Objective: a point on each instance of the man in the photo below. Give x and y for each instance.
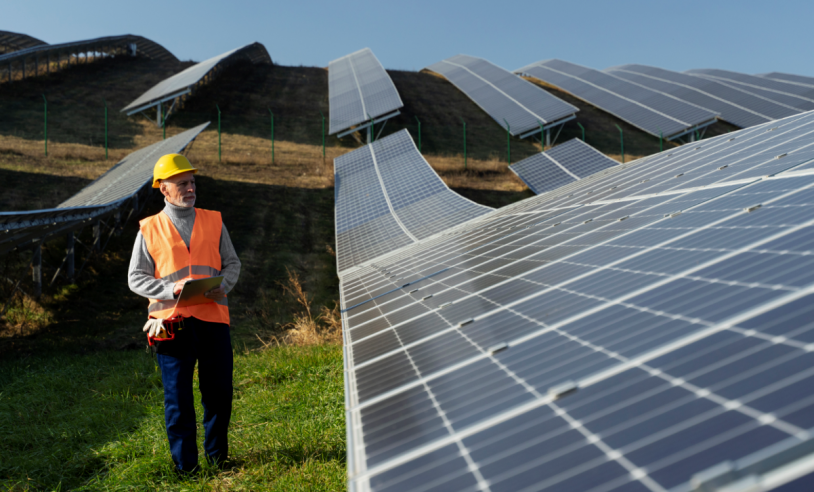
(179, 244)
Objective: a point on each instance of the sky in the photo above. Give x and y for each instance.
(746, 36)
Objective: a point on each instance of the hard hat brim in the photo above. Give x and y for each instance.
(157, 183)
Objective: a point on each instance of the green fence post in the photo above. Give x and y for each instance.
(45, 123)
(323, 136)
(272, 135)
(508, 142)
(218, 107)
(583, 130)
(419, 132)
(105, 129)
(622, 140)
(464, 122)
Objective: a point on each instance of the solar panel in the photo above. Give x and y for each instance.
(387, 197)
(184, 82)
(144, 47)
(650, 111)
(104, 194)
(735, 106)
(561, 165)
(504, 96)
(649, 328)
(788, 77)
(793, 95)
(13, 41)
(359, 90)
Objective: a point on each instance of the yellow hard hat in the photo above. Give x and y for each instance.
(169, 165)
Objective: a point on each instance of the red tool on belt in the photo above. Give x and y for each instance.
(162, 330)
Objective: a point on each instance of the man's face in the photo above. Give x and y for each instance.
(180, 189)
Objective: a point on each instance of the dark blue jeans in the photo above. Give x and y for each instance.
(210, 345)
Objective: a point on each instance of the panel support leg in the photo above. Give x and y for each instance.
(97, 236)
(36, 271)
(70, 259)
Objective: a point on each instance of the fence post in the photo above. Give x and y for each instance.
(323, 135)
(419, 133)
(464, 122)
(272, 135)
(508, 142)
(622, 141)
(583, 131)
(45, 123)
(105, 129)
(218, 131)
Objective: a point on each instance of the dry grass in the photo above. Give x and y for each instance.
(307, 329)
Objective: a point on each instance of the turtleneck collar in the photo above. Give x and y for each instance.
(174, 211)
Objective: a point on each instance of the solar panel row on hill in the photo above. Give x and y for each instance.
(508, 99)
(112, 44)
(653, 112)
(102, 196)
(735, 106)
(561, 165)
(387, 197)
(360, 91)
(787, 77)
(628, 331)
(185, 82)
(793, 95)
(13, 41)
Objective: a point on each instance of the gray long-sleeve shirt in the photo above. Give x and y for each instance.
(141, 275)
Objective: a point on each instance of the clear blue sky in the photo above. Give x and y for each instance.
(748, 36)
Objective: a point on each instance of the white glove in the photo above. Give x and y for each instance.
(153, 327)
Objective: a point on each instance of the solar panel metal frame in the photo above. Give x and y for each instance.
(515, 99)
(185, 82)
(369, 81)
(570, 158)
(738, 107)
(675, 127)
(104, 195)
(753, 180)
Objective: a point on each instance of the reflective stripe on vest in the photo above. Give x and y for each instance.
(174, 261)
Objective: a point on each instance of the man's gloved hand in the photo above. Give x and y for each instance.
(153, 327)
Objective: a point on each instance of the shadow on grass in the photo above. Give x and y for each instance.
(33, 191)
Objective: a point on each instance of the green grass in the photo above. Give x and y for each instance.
(95, 422)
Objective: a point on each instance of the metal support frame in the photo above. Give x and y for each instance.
(368, 123)
(691, 131)
(547, 126)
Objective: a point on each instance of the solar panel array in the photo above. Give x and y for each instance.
(359, 90)
(646, 329)
(103, 195)
(735, 106)
(13, 41)
(653, 112)
(502, 95)
(144, 47)
(185, 81)
(792, 95)
(561, 165)
(788, 77)
(387, 197)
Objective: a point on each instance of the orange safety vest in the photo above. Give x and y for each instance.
(173, 261)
